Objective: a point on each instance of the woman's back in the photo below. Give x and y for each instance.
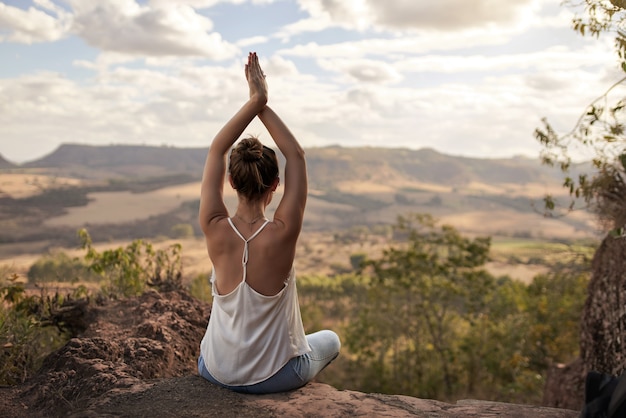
(270, 256)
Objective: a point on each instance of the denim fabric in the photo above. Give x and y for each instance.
(325, 346)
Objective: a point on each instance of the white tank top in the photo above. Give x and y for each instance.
(251, 336)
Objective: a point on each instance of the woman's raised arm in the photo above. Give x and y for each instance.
(212, 205)
(290, 210)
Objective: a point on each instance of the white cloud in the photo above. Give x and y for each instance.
(362, 70)
(255, 40)
(413, 16)
(558, 57)
(167, 29)
(447, 14)
(32, 25)
(406, 45)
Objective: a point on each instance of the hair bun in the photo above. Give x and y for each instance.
(251, 149)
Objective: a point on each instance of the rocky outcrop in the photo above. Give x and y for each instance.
(127, 342)
(138, 357)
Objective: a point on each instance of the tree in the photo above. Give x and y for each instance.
(422, 295)
(600, 130)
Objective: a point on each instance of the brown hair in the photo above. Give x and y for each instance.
(253, 167)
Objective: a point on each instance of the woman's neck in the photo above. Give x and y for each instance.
(250, 213)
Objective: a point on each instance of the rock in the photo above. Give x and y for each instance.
(127, 342)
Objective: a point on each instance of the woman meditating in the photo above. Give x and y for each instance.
(255, 341)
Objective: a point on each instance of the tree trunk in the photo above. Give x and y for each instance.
(603, 325)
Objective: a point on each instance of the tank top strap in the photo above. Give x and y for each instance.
(245, 255)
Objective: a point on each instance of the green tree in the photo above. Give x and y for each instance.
(421, 296)
(599, 132)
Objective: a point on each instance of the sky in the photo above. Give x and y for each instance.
(465, 77)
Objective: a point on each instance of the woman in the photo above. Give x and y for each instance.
(255, 341)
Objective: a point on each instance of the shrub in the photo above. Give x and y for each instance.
(182, 231)
(200, 288)
(126, 271)
(61, 268)
(29, 330)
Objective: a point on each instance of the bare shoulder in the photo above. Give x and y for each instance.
(286, 229)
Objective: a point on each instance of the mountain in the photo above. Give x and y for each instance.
(326, 165)
(122, 160)
(4, 164)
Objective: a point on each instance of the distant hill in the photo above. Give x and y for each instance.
(6, 164)
(326, 165)
(122, 160)
(424, 165)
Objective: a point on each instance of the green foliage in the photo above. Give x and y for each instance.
(357, 260)
(28, 330)
(599, 132)
(200, 288)
(554, 305)
(182, 231)
(126, 271)
(426, 320)
(32, 326)
(599, 17)
(420, 295)
(59, 267)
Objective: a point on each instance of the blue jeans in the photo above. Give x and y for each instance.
(297, 372)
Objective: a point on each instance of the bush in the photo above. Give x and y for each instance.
(182, 231)
(200, 288)
(59, 267)
(128, 271)
(28, 330)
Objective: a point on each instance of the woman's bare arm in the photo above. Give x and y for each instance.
(212, 205)
(290, 210)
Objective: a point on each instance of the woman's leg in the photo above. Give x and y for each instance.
(325, 346)
(202, 371)
(300, 370)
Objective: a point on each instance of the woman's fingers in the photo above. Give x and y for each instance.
(256, 65)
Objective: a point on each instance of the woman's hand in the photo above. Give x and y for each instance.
(256, 80)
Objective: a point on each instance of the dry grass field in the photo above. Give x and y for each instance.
(120, 207)
(20, 185)
(320, 252)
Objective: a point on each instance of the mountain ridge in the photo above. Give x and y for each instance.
(326, 165)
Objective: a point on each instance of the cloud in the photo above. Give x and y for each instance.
(33, 25)
(446, 14)
(406, 45)
(362, 70)
(160, 28)
(255, 40)
(411, 15)
(553, 58)
(165, 29)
